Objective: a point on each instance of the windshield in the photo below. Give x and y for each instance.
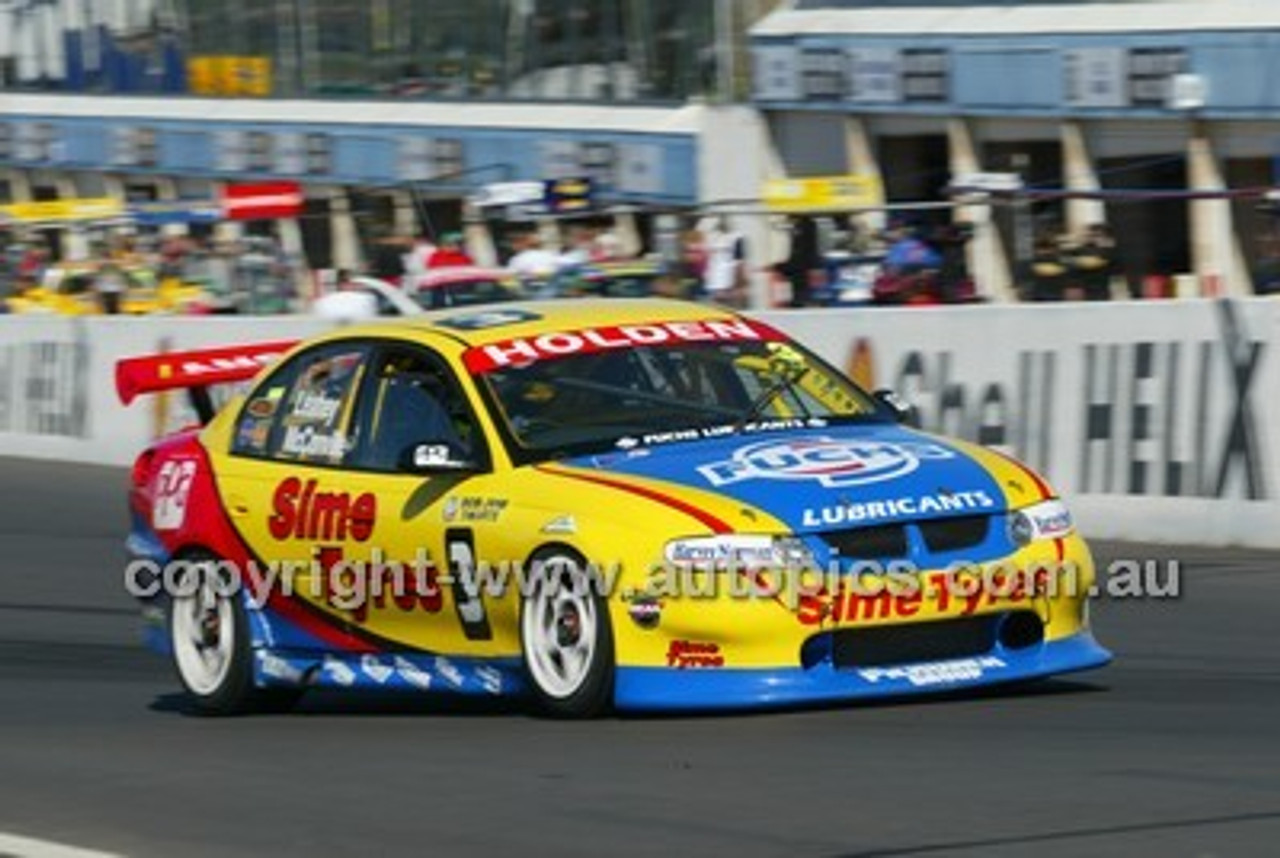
(610, 285)
(465, 293)
(614, 399)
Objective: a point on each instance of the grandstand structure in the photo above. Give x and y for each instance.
(1160, 118)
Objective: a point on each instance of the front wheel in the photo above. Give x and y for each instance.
(566, 638)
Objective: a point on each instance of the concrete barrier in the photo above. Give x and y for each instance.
(1159, 421)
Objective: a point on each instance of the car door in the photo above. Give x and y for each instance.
(283, 483)
(437, 512)
(321, 484)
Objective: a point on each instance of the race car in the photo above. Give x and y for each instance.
(632, 503)
(640, 278)
(462, 286)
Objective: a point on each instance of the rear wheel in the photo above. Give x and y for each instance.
(212, 647)
(566, 638)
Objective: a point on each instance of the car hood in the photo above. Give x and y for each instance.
(823, 477)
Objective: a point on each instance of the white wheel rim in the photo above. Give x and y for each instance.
(203, 632)
(559, 629)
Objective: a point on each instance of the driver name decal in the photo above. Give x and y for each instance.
(525, 350)
(831, 462)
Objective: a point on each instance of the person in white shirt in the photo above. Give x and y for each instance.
(725, 279)
(533, 261)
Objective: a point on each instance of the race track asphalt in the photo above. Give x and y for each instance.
(1174, 750)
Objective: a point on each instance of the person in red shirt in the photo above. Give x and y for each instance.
(450, 253)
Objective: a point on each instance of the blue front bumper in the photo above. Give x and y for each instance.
(658, 689)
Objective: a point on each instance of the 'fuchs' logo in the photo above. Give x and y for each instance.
(833, 463)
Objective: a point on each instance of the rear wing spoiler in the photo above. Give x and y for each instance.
(194, 371)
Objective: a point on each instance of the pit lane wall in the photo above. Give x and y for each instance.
(1159, 421)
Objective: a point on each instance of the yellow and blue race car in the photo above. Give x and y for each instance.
(645, 504)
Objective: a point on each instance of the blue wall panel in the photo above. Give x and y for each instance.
(991, 76)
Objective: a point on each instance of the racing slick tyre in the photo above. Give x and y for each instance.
(566, 638)
(212, 647)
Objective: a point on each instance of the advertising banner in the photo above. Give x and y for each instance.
(57, 211)
(230, 76)
(1158, 421)
(265, 201)
(823, 193)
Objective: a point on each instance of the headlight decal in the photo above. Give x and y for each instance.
(1047, 520)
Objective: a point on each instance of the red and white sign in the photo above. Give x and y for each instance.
(266, 201)
(525, 350)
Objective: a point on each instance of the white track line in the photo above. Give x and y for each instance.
(13, 846)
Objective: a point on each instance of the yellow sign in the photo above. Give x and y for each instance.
(87, 208)
(229, 75)
(823, 193)
(202, 78)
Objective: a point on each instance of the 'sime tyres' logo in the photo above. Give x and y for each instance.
(833, 463)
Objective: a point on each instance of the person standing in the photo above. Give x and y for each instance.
(803, 264)
(725, 279)
(450, 253)
(532, 261)
(1093, 263)
(110, 284)
(1047, 271)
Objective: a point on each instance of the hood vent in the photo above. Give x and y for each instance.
(954, 534)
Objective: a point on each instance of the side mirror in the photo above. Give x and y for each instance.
(436, 457)
(894, 404)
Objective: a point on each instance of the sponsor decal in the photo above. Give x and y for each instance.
(278, 668)
(902, 595)
(488, 319)
(645, 612)
(374, 669)
(564, 524)
(1051, 525)
(525, 350)
(253, 435)
(263, 407)
(171, 490)
(736, 550)
(412, 674)
(450, 509)
(196, 368)
(902, 507)
(934, 672)
(685, 655)
(167, 371)
(449, 671)
(835, 463)
(310, 442)
(474, 509)
(300, 511)
(338, 671)
(698, 433)
(490, 679)
(316, 406)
